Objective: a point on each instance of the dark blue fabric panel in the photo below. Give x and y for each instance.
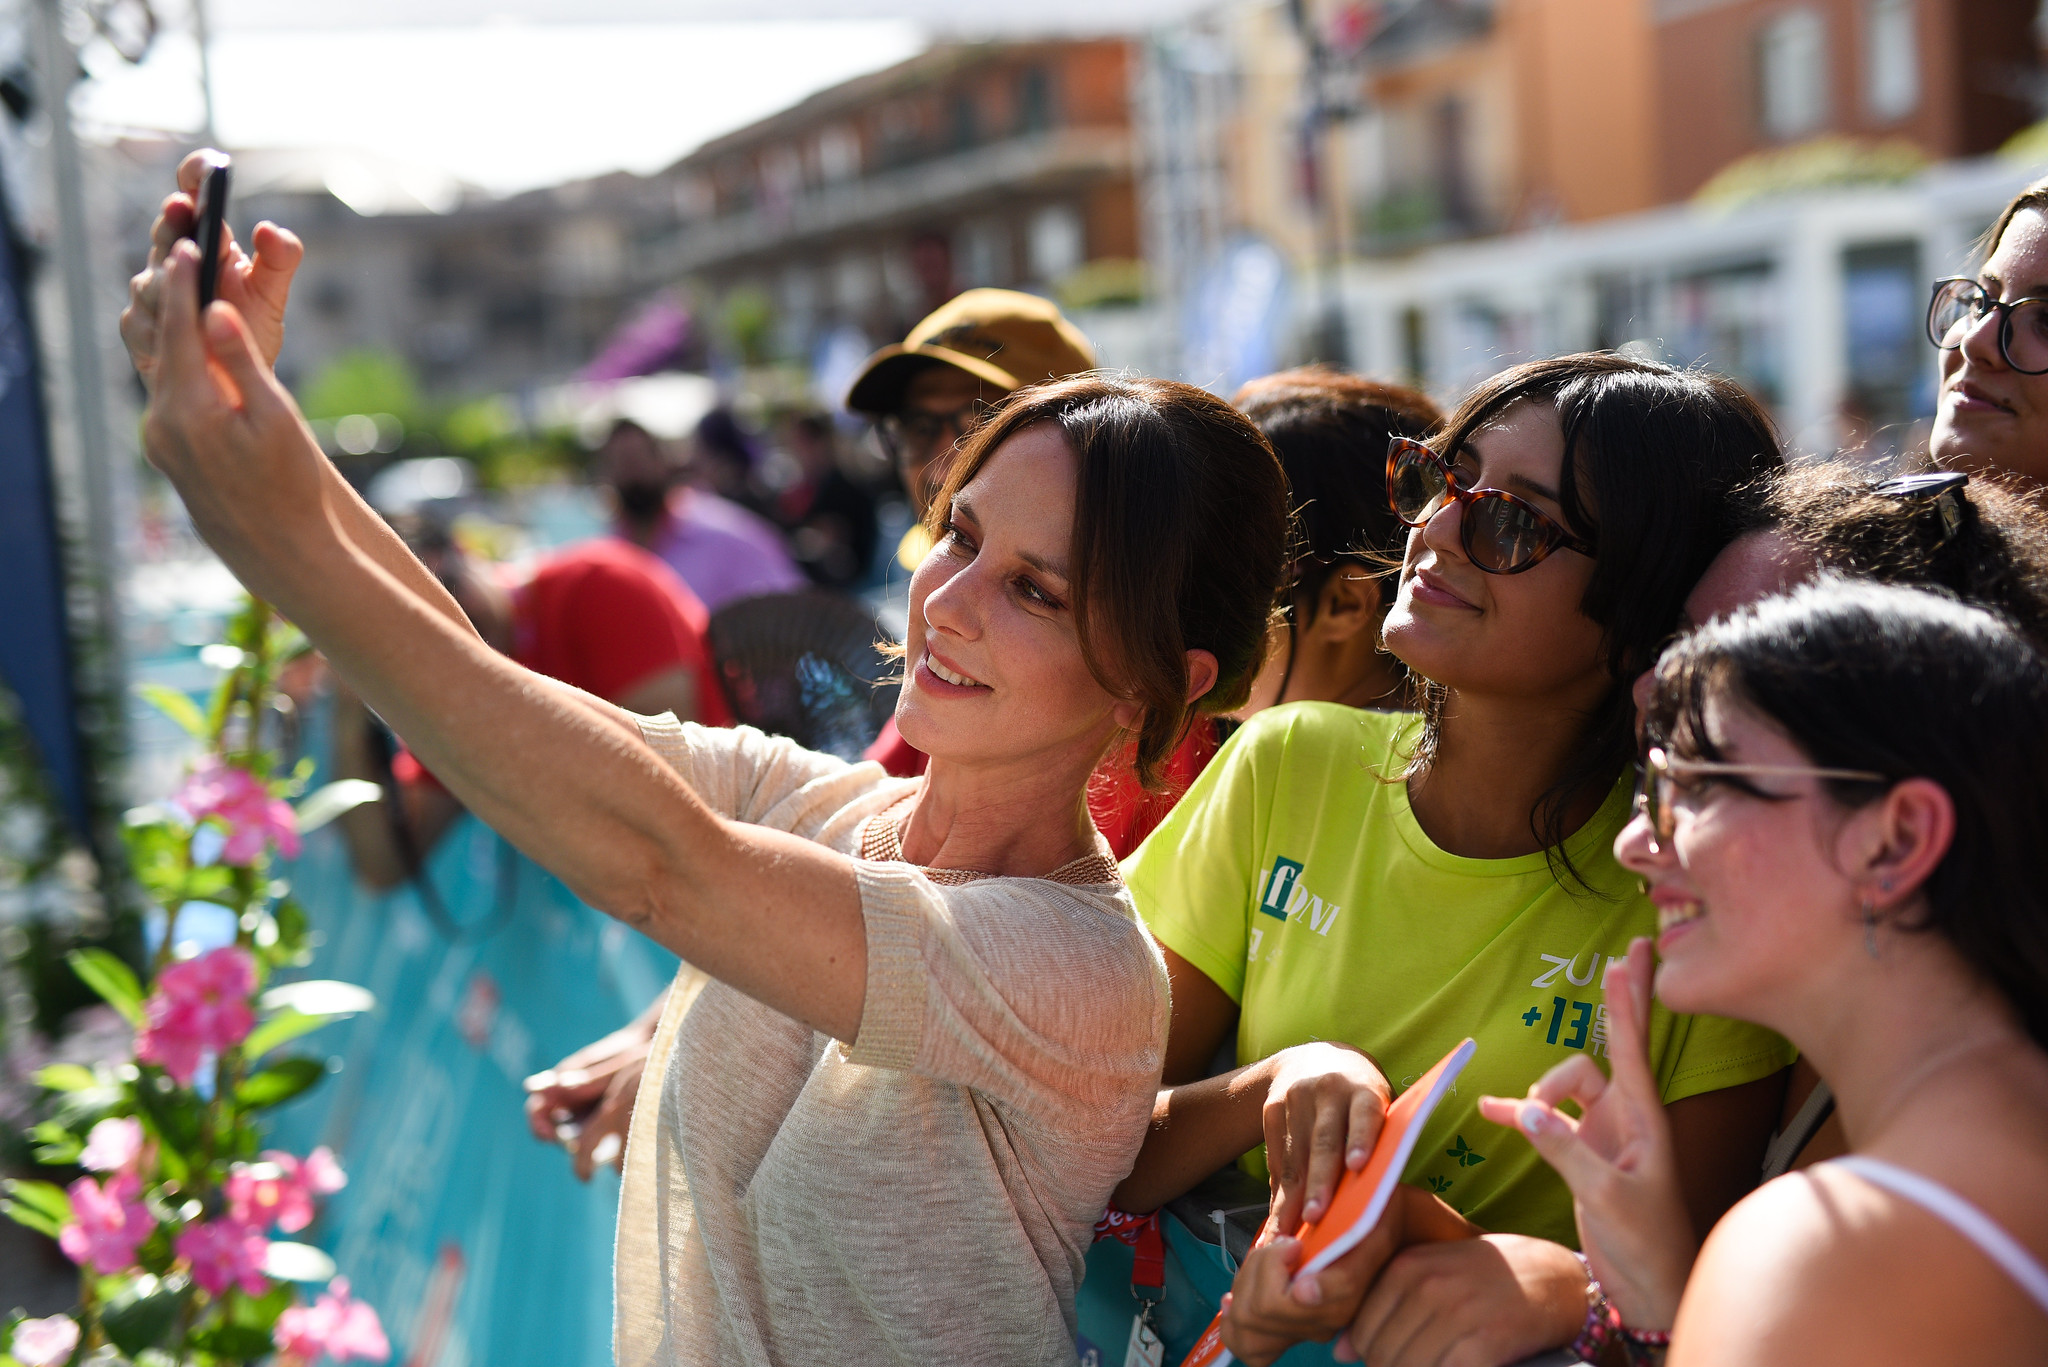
(35, 651)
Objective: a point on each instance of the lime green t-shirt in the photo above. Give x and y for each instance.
(1296, 877)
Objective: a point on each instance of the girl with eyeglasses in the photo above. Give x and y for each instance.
(1841, 824)
(1346, 894)
(1992, 411)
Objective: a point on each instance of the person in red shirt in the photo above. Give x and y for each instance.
(602, 615)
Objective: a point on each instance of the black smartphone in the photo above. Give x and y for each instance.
(209, 225)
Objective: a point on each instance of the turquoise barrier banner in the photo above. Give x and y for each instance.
(474, 1241)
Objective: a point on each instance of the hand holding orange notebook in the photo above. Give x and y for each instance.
(1362, 1196)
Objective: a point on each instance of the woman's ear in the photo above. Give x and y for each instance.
(1347, 605)
(1903, 841)
(1129, 714)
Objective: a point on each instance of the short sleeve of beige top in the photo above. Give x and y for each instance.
(925, 1194)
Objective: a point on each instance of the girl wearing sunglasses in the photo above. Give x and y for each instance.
(1827, 862)
(1345, 894)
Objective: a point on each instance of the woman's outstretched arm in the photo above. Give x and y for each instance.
(555, 771)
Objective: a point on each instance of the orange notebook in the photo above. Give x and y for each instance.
(1362, 1196)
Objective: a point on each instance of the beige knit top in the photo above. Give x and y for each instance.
(922, 1195)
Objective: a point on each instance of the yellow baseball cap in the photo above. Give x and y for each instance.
(1003, 337)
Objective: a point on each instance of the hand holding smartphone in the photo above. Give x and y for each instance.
(209, 228)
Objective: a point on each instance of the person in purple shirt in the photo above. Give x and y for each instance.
(718, 548)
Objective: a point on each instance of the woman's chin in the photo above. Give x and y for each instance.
(1688, 987)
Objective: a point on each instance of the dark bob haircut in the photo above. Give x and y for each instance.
(1180, 538)
(1330, 431)
(1906, 683)
(1652, 458)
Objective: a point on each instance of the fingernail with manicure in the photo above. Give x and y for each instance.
(1533, 1119)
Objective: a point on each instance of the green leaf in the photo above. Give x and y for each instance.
(234, 1342)
(280, 1082)
(292, 927)
(207, 884)
(289, 1262)
(177, 706)
(174, 1114)
(342, 795)
(284, 1026)
(260, 1312)
(112, 979)
(142, 1314)
(42, 1206)
(66, 1077)
(55, 1144)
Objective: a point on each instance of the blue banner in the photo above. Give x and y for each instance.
(473, 1240)
(35, 648)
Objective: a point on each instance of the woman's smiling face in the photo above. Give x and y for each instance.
(1988, 415)
(994, 666)
(1500, 634)
(1750, 899)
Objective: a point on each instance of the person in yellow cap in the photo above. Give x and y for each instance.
(930, 390)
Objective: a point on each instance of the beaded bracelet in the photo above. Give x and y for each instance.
(1644, 1347)
(1603, 1321)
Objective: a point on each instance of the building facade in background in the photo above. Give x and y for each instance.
(869, 204)
(1426, 189)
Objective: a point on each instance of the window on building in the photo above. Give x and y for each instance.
(838, 154)
(966, 121)
(1034, 100)
(1792, 74)
(981, 254)
(1891, 59)
(1058, 242)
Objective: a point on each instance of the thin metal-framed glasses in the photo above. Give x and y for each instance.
(1501, 534)
(1959, 304)
(1658, 783)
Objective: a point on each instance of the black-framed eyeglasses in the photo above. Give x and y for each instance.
(915, 434)
(1959, 304)
(1501, 534)
(1658, 785)
(1943, 487)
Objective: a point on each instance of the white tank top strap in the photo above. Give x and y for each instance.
(1973, 1224)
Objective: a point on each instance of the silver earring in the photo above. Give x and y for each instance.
(1870, 928)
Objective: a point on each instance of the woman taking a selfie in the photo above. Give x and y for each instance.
(1841, 823)
(884, 1131)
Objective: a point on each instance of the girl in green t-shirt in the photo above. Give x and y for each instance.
(1557, 524)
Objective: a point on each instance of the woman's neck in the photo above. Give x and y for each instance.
(1890, 1033)
(1020, 820)
(1354, 672)
(1495, 759)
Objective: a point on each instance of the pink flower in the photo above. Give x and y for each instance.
(45, 1343)
(199, 1006)
(281, 1189)
(253, 817)
(334, 1324)
(224, 1253)
(107, 1223)
(322, 1173)
(112, 1145)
